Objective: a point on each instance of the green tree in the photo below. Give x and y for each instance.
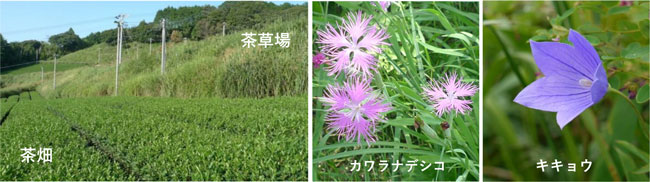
(67, 41)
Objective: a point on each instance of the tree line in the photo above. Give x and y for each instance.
(193, 23)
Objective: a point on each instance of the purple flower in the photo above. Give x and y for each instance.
(350, 46)
(574, 78)
(318, 59)
(354, 110)
(384, 4)
(448, 94)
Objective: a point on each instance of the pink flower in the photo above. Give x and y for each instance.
(447, 94)
(354, 110)
(626, 3)
(384, 4)
(318, 59)
(350, 46)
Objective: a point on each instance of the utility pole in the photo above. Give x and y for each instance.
(118, 46)
(54, 85)
(117, 57)
(150, 46)
(118, 60)
(121, 40)
(223, 30)
(163, 55)
(39, 52)
(99, 55)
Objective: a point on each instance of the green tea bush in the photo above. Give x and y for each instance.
(139, 138)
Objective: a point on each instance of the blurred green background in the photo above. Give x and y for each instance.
(609, 133)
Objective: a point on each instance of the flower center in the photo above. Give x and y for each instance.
(354, 47)
(585, 83)
(355, 111)
(451, 95)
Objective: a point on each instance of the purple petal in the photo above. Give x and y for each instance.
(339, 122)
(373, 109)
(560, 59)
(357, 89)
(335, 98)
(554, 94)
(599, 87)
(364, 129)
(575, 78)
(590, 58)
(565, 116)
(384, 5)
(373, 39)
(356, 25)
(363, 63)
(332, 39)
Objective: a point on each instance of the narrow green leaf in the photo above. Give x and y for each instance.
(349, 4)
(628, 167)
(642, 94)
(633, 150)
(401, 121)
(466, 37)
(452, 52)
(443, 20)
(642, 170)
(618, 10)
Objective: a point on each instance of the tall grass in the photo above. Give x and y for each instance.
(215, 67)
(272, 71)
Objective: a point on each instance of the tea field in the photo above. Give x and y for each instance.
(145, 138)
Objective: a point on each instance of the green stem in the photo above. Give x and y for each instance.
(592, 126)
(415, 39)
(428, 130)
(641, 121)
(513, 65)
(450, 120)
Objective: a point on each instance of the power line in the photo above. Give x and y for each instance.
(83, 22)
(98, 20)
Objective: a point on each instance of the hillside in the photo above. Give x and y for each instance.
(214, 67)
